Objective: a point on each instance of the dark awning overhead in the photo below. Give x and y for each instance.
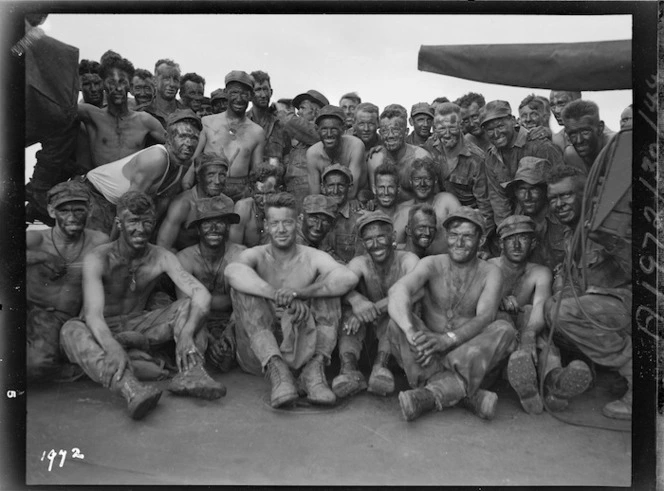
(602, 65)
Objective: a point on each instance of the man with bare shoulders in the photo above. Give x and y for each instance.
(366, 306)
(365, 126)
(386, 189)
(117, 281)
(207, 261)
(54, 258)
(423, 182)
(335, 148)
(393, 130)
(420, 230)
(174, 232)
(286, 305)
(526, 287)
(448, 352)
(315, 222)
(156, 170)
(250, 231)
(233, 134)
(117, 131)
(167, 85)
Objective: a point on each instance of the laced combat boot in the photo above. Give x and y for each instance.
(284, 390)
(381, 380)
(350, 380)
(414, 403)
(312, 380)
(483, 403)
(562, 384)
(141, 398)
(622, 408)
(197, 383)
(522, 376)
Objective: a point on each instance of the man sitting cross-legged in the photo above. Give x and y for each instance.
(117, 280)
(378, 270)
(286, 305)
(526, 287)
(207, 261)
(448, 352)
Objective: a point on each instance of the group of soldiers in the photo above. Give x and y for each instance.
(184, 235)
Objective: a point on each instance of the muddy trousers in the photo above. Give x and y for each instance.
(609, 343)
(352, 343)
(257, 328)
(158, 326)
(44, 358)
(464, 366)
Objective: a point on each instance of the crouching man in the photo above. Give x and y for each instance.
(117, 280)
(448, 352)
(378, 270)
(526, 287)
(286, 305)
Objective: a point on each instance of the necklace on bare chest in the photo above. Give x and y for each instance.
(211, 269)
(132, 272)
(68, 262)
(463, 288)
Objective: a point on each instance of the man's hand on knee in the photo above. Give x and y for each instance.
(352, 325)
(115, 363)
(299, 310)
(429, 343)
(283, 297)
(187, 355)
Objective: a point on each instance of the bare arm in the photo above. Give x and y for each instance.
(401, 294)
(259, 151)
(313, 172)
(33, 239)
(155, 129)
(189, 178)
(542, 293)
(148, 167)
(242, 276)
(236, 232)
(83, 111)
(333, 279)
(170, 227)
(444, 204)
(357, 166)
(372, 164)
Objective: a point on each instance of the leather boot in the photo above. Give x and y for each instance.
(381, 381)
(312, 380)
(562, 384)
(141, 398)
(522, 376)
(197, 383)
(350, 380)
(284, 390)
(622, 408)
(414, 403)
(483, 403)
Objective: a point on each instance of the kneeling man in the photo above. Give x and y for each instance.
(448, 352)
(117, 280)
(286, 305)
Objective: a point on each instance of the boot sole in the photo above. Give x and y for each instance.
(203, 392)
(381, 387)
(283, 400)
(406, 407)
(621, 416)
(574, 381)
(522, 376)
(347, 388)
(487, 407)
(146, 406)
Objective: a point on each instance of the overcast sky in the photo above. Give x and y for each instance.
(374, 55)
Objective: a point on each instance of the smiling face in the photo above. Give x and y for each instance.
(192, 95)
(212, 179)
(585, 135)
(500, 131)
(531, 198)
(135, 230)
(393, 131)
(116, 86)
(386, 190)
(336, 187)
(330, 131)
(239, 96)
(281, 226)
(378, 238)
(422, 229)
(183, 140)
(448, 130)
(565, 201)
(365, 126)
(213, 232)
(70, 217)
(530, 118)
(463, 241)
(422, 125)
(423, 184)
(167, 81)
(315, 226)
(142, 89)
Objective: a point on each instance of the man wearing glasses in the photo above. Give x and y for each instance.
(286, 303)
(233, 134)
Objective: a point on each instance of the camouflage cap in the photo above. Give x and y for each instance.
(218, 94)
(515, 224)
(310, 95)
(207, 159)
(330, 111)
(467, 213)
(421, 108)
(371, 217)
(531, 170)
(184, 115)
(218, 207)
(495, 110)
(337, 168)
(64, 192)
(318, 203)
(240, 77)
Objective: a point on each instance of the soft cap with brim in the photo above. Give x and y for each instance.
(337, 168)
(64, 192)
(313, 96)
(184, 115)
(318, 203)
(467, 213)
(421, 108)
(370, 217)
(330, 111)
(495, 110)
(531, 170)
(515, 224)
(218, 207)
(218, 94)
(240, 77)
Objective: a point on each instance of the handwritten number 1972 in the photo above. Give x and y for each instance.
(52, 455)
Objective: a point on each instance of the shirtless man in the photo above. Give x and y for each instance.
(286, 304)
(421, 119)
(526, 287)
(174, 233)
(448, 352)
(586, 132)
(117, 281)
(386, 189)
(156, 170)
(318, 214)
(395, 150)
(90, 83)
(54, 258)
(366, 306)
(167, 84)
(534, 115)
(335, 148)
(207, 261)
(423, 182)
(232, 134)
(116, 131)
(420, 230)
(250, 231)
(365, 126)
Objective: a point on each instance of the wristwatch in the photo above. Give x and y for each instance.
(452, 336)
